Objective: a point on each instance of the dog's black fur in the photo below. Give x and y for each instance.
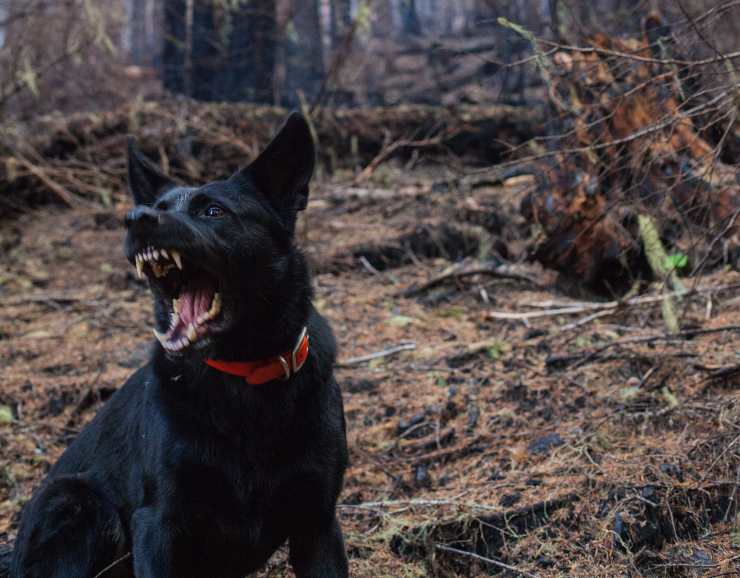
(195, 472)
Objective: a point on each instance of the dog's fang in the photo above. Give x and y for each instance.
(178, 259)
(139, 267)
(175, 305)
(164, 253)
(155, 255)
(160, 336)
(215, 306)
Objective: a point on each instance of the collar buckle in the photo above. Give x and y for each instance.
(296, 364)
(286, 368)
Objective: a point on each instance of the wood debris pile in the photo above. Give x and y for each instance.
(80, 159)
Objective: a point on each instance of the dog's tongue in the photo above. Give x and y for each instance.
(195, 300)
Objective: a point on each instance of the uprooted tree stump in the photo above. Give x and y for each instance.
(628, 144)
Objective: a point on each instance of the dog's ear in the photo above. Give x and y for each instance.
(283, 170)
(145, 181)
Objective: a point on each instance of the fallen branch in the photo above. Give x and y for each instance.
(418, 503)
(580, 359)
(386, 153)
(59, 298)
(466, 270)
(487, 560)
(406, 346)
(585, 320)
(584, 306)
(64, 195)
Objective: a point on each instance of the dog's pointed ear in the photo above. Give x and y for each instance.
(283, 170)
(145, 181)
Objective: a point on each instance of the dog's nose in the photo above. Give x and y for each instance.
(141, 214)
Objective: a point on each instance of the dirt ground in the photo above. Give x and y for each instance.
(585, 443)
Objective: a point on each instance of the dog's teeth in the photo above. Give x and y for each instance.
(139, 267)
(155, 255)
(215, 306)
(161, 337)
(191, 333)
(164, 253)
(178, 259)
(176, 305)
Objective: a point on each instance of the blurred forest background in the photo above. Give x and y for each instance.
(524, 229)
(73, 55)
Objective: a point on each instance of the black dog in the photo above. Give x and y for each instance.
(231, 440)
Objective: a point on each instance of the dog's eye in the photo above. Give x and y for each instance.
(213, 211)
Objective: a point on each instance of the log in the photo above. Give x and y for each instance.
(201, 141)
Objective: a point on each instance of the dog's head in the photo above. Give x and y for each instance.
(213, 253)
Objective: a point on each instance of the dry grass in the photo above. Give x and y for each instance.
(449, 444)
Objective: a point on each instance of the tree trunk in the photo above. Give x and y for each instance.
(173, 50)
(410, 23)
(382, 22)
(205, 52)
(137, 32)
(304, 52)
(263, 34)
(341, 20)
(250, 66)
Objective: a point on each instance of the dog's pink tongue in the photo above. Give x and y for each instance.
(195, 300)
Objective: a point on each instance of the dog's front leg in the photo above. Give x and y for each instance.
(151, 545)
(160, 549)
(319, 553)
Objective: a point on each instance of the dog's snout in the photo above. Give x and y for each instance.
(142, 214)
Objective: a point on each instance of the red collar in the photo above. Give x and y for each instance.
(258, 372)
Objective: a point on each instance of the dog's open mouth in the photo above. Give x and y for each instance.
(193, 293)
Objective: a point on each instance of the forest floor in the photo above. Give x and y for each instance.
(566, 444)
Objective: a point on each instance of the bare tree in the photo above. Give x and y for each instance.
(304, 51)
(173, 51)
(411, 25)
(341, 20)
(382, 23)
(205, 55)
(251, 51)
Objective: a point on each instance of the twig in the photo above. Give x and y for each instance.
(420, 503)
(67, 197)
(114, 563)
(638, 58)
(406, 346)
(369, 266)
(60, 298)
(488, 560)
(388, 150)
(720, 236)
(584, 306)
(586, 320)
(466, 270)
(586, 357)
